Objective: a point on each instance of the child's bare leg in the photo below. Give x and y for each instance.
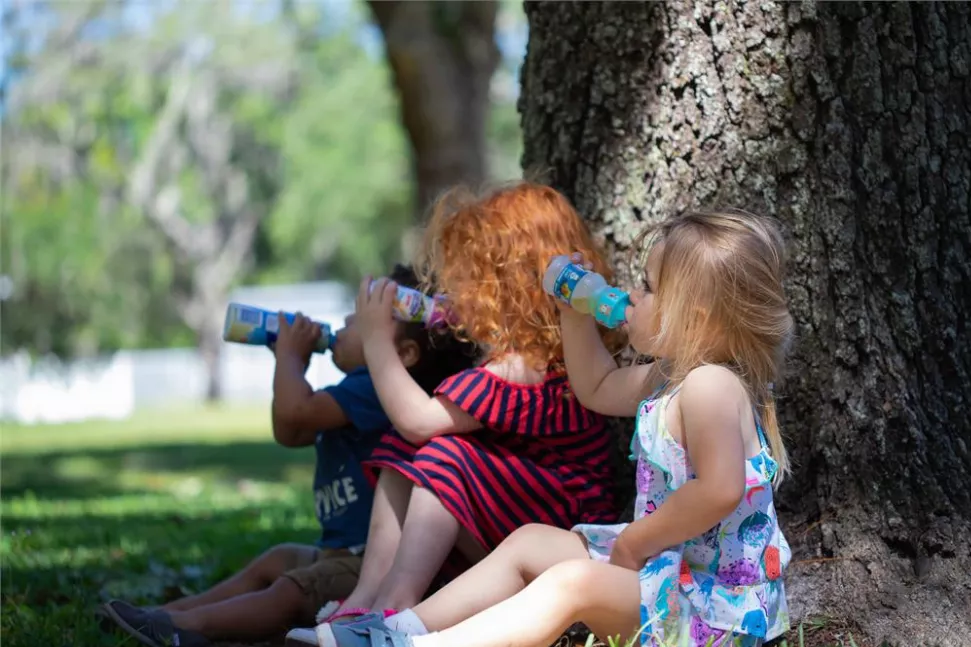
(257, 575)
(250, 615)
(606, 598)
(429, 534)
(519, 560)
(391, 497)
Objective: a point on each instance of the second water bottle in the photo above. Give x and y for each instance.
(586, 291)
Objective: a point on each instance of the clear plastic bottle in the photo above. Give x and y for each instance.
(249, 325)
(414, 306)
(586, 292)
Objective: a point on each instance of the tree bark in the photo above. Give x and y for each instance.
(849, 123)
(210, 349)
(442, 57)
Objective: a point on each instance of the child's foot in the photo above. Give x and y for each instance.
(153, 628)
(105, 622)
(342, 634)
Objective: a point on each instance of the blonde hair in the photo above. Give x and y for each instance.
(719, 300)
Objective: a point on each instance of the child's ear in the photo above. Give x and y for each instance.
(409, 352)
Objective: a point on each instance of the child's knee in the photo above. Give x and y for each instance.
(572, 577)
(281, 558)
(531, 534)
(574, 574)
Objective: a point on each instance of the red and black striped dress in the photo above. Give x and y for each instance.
(541, 457)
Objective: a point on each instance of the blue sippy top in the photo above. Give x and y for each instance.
(610, 306)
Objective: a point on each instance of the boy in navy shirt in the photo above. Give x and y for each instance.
(287, 584)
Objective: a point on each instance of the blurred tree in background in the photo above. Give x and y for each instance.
(442, 55)
(156, 155)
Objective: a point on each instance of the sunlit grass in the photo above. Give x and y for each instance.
(146, 428)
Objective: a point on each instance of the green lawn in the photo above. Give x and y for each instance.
(145, 510)
(150, 509)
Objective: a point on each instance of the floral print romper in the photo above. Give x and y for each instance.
(722, 588)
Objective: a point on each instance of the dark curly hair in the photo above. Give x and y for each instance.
(441, 353)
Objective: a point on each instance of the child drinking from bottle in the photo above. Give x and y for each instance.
(496, 447)
(289, 582)
(702, 562)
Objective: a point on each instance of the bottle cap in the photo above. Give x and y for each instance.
(611, 308)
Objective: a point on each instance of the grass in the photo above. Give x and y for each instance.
(156, 507)
(147, 510)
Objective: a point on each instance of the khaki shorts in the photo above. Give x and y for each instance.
(329, 574)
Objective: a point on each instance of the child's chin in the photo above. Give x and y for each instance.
(346, 366)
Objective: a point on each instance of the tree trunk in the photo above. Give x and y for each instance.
(210, 349)
(442, 56)
(849, 123)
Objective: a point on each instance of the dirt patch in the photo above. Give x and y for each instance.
(824, 632)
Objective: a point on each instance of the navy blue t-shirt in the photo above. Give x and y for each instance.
(342, 494)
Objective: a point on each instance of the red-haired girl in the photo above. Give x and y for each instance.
(499, 446)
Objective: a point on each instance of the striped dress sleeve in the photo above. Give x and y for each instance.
(545, 409)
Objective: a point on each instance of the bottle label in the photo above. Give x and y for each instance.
(243, 325)
(413, 306)
(566, 282)
(409, 305)
(246, 325)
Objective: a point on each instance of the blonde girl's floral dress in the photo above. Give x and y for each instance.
(722, 588)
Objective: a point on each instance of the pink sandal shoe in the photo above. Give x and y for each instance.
(351, 615)
(346, 613)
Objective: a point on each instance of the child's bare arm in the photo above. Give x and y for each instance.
(595, 378)
(710, 403)
(298, 412)
(417, 416)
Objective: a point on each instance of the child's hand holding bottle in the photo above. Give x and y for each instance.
(375, 310)
(298, 339)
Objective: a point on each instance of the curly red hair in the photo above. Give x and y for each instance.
(487, 254)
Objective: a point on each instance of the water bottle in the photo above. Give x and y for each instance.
(249, 325)
(586, 292)
(414, 306)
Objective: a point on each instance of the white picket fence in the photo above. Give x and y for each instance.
(113, 387)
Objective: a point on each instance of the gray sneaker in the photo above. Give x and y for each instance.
(152, 627)
(355, 633)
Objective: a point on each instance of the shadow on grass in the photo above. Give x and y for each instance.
(94, 473)
(146, 524)
(64, 560)
(61, 568)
